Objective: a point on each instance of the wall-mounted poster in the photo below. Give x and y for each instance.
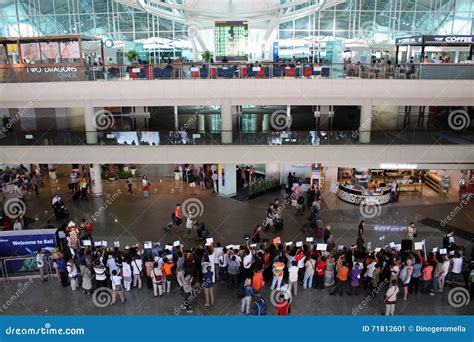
(30, 52)
(49, 50)
(70, 50)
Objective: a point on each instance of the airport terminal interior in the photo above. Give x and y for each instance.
(236, 157)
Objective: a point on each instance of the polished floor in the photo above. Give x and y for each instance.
(133, 219)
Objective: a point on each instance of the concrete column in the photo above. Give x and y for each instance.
(90, 124)
(365, 125)
(176, 120)
(288, 118)
(201, 123)
(226, 121)
(227, 180)
(96, 180)
(266, 123)
(385, 117)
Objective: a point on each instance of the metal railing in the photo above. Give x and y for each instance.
(268, 138)
(239, 70)
(28, 273)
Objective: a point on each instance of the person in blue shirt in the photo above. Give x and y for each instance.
(62, 270)
(208, 286)
(247, 299)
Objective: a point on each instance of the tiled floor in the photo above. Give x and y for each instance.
(134, 219)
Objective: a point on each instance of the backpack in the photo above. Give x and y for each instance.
(241, 292)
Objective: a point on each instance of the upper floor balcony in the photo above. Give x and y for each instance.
(238, 70)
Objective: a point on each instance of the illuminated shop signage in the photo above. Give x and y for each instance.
(398, 166)
(409, 41)
(448, 40)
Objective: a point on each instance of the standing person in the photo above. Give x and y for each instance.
(293, 278)
(223, 263)
(320, 273)
(157, 280)
(329, 273)
(188, 289)
(202, 179)
(208, 285)
(355, 280)
(73, 182)
(189, 226)
(391, 298)
(178, 216)
(86, 274)
(410, 231)
(72, 273)
(278, 271)
(40, 263)
(167, 274)
(192, 182)
(437, 273)
(442, 278)
(129, 185)
(146, 188)
(310, 266)
(83, 185)
(117, 288)
(149, 264)
(327, 233)
(232, 272)
(416, 275)
(361, 228)
(247, 299)
(127, 275)
(427, 278)
(137, 267)
(100, 275)
(341, 279)
(405, 276)
(214, 182)
(180, 268)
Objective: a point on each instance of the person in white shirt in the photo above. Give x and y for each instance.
(127, 275)
(442, 277)
(72, 273)
(369, 274)
(391, 298)
(223, 262)
(40, 264)
(157, 280)
(100, 276)
(218, 251)
(310, 266)
(17, 225)
(117, 288)
(137, 266)
(214, 181)
(247, 264)
(293, 278)
(189, 225)
(111, 265)
(457, 264)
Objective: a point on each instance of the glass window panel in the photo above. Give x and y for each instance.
(302, 24)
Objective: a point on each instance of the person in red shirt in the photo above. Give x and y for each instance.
(283, 307)
(178, 215)
(320, 269)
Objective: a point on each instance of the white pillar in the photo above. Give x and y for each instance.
(201, 123)
(226, 122)
(288, 118)
(176, 120)
(89, 123)
(365, 125)
(96, 179)
(266, 122)
(227, 180)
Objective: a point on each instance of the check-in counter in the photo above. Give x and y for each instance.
(351, 195)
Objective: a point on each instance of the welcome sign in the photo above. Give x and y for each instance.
(26, 242)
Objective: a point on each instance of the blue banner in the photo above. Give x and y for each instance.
(237, 328)
(275, 51)
(26, 242)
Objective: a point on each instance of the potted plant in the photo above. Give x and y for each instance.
(207, 56)
(131, 56)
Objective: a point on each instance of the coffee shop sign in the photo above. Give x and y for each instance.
(38, 70)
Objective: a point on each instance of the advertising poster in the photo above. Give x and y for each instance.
(70, 50)
(30, 51)
(49, 51)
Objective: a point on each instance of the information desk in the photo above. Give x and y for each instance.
(350, 195)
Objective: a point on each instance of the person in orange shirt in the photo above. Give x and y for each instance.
(257, 281)
(167, 270)
(341, 279)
